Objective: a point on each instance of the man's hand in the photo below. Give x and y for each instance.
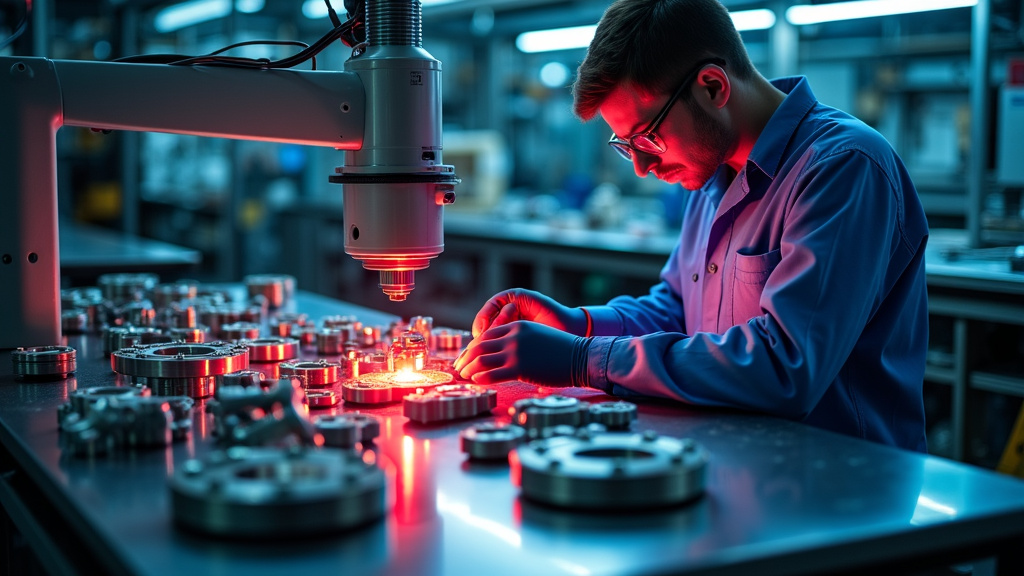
(518, 350)
(528, 305)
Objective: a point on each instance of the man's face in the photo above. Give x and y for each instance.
(696, 144)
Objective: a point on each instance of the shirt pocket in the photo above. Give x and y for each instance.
(751, 272)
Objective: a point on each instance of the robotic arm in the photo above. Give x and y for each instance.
(383, 111)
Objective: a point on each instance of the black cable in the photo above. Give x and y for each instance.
(22, 26)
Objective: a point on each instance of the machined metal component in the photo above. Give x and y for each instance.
(375, 362)
(74, 321)
(611, 471)
(329, 341)
(312, 374)
(117, 421)
(136, 313)
(121, 288)
(255, 416)
(278, 289)
(176, 315)
(175, 293)
(266, 492)
(117, 337)
(193, 335)
(237, 331)
(273, 349)
(386, 387)
(180, 369)
(321, 398)
(243, 378)
(614, 415)
(448, 341)
(338, 432)
(490, 441)
(408, 352)
(81, 401)
(44, 362)
(554, 410)
(445, 403)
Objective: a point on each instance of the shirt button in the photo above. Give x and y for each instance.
(695, 276)
(712, 268)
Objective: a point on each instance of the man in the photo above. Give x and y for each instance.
(797, 287)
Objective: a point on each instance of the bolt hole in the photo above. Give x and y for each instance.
(33, 257)
(20, 66)
(355, 233)
(7, 259)
(345, 107)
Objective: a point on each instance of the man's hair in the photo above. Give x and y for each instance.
(650, 44)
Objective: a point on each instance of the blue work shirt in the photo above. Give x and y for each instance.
(797, 287)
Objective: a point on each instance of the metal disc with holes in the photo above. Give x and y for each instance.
(554, 410)
(611, 471)
(445, 403)
(266, 492)
(44, 362)
(180, 360)
(614, 415)
(490, 441)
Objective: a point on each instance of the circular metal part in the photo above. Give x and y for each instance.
(176, 315)
(614, 415)
(445, 403)
(44, 362)
(409, 352)
(611, 471)
(375, 362)
(312, 374)
(138, 313)
(166, 294)
(180, 360)
(385, 387)
(240, 331)
(74, 321)
(274, 349)
(338, 432)
(554, 410)
(446, 340)
(490, 441)
(338, 321)
(193, 335)
(321, 398)
(369, 426)
(198, 387)
(329, 341)
(82, 400)
(278, 289)
(121, 288)
(265, 492)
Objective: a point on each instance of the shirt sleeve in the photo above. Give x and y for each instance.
(660, 310)
(841, 227)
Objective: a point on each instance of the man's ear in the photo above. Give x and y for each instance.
(713, 87)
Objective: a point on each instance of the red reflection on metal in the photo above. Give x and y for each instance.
(515, 468)
(416, 490)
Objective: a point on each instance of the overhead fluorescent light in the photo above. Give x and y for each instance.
(190, 13)
(818, 13)
(580, 36)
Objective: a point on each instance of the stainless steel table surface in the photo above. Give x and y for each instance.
(781, 498)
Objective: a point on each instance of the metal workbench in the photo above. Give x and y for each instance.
(781, 498)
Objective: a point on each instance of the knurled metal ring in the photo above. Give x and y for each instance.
(247, 492)
(44, 362)
(273, 349)
(611, 471)
(491, 441)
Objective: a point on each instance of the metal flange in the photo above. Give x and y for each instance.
(44, 362)
(453, 402)
(554, 410)
(272, 349)
(266, 492)
(385, 387)
(611, 471)
(179, 368)
(490, 441)
(614, 415)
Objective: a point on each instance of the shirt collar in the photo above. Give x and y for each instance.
(766, 154)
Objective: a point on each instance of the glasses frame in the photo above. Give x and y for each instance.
(650, 142)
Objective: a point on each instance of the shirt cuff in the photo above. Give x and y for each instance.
(607, 321)
(597, 361)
